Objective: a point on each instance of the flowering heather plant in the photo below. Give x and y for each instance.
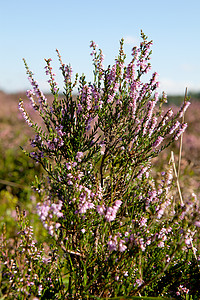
(28, 269)
(115, 229)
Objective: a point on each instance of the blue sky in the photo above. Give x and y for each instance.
(34, 29)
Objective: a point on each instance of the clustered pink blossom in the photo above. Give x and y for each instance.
(25, 114)
(182, 290)
(97, 59)
(174, 127)
(60, 132)
(183, 108)
(152, 126)
(66, 70)
(142, 61)
(85, 201)
(180, 131)
(47, 212)
(79, 155)
(143, 222)
(138, 282)
(166, 117)
(51, 81)
(142, 171)
(115, 243)
(41, 98)
(110, 213)
(30, 94)
(158, 141)
(150, 108)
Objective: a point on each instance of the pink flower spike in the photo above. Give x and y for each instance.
(100, 209)
(122, 247)
(79, 155)
(197, 223)
(118, 203)
(158, 141)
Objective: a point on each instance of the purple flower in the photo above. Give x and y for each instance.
(188, 241)
(139, 282)
(174, 127)
(118, 203)
(51, 145)
(112, 246)
(142, 171)
(68, 166)
(122, 247)
(112, 243)
(43, 210)
(56, 208)
(158, 141)
(59, 131)
(180, 131)
(197, 223)
(152, 125)
(79, 155)
(111, 212)
(25, 114)
(100, 209)
(183, 109)
(126, 273)
(143, 222)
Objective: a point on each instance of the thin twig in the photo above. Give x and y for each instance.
(181, 140)
(176, 175)
(10, 183)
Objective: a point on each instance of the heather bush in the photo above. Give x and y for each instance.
(115, 230)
